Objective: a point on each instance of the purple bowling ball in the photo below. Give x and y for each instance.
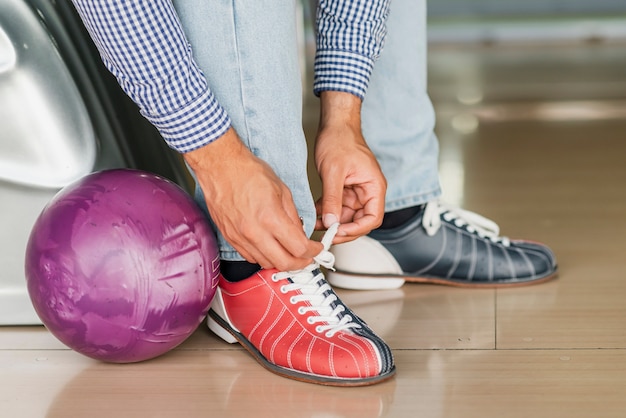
(122, 265)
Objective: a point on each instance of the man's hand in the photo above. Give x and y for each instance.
(250, 205)
(353, 186)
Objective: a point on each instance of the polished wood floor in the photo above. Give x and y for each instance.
(533, 137)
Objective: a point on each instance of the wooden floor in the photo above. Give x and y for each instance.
(533, 137)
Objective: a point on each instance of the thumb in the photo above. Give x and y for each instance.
(328, 219)
(332, 193)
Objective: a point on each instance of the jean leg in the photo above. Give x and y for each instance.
(248, 51)
(398, 116)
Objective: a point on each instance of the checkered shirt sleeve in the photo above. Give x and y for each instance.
(350, 37)
(143, 45)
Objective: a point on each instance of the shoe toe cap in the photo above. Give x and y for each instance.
(541, 259)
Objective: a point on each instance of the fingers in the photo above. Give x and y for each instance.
(332, 199)
(251, 206)
(266, 230)
(361, 212)
(285, 248)
(353, 196)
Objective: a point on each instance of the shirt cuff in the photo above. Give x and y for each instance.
(342, 71)
(193, 126)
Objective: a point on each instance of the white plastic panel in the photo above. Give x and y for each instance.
(46, 137)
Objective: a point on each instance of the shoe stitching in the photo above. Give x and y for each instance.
(358, 346)
(382, 351)
(472, 269)
(280, 337)
(546, 256)
(533, 272)
(354, 343)
(457, 255)
(268, 330)
(510, 263)
(309, 365)
(441, 252)
(262, 319)
(331, 363)
(293, 345)
(246, 290)
(490, 262)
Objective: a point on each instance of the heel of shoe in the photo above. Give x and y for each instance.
(220, 331)
(359, 282)
(218, 320)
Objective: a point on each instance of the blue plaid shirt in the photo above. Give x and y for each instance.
(143, 44)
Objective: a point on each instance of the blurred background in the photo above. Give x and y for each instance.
(552, 69)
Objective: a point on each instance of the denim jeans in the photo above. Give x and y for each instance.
(397, 115)
(248, 51)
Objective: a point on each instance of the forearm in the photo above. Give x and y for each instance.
(143, 45)
(339, 109)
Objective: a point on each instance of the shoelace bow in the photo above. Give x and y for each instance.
(473, 222)
(313, 289)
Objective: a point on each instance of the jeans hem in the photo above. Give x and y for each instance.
(409, 201)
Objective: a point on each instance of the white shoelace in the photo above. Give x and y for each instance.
(313, 287)
(473, 222)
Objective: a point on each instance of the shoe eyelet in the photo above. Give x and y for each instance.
(318, 329)
(274, 279)
(293, 300)
(309, 320)
(283, 290)
(301, 310)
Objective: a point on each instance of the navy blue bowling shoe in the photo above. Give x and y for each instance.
(441, 245)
